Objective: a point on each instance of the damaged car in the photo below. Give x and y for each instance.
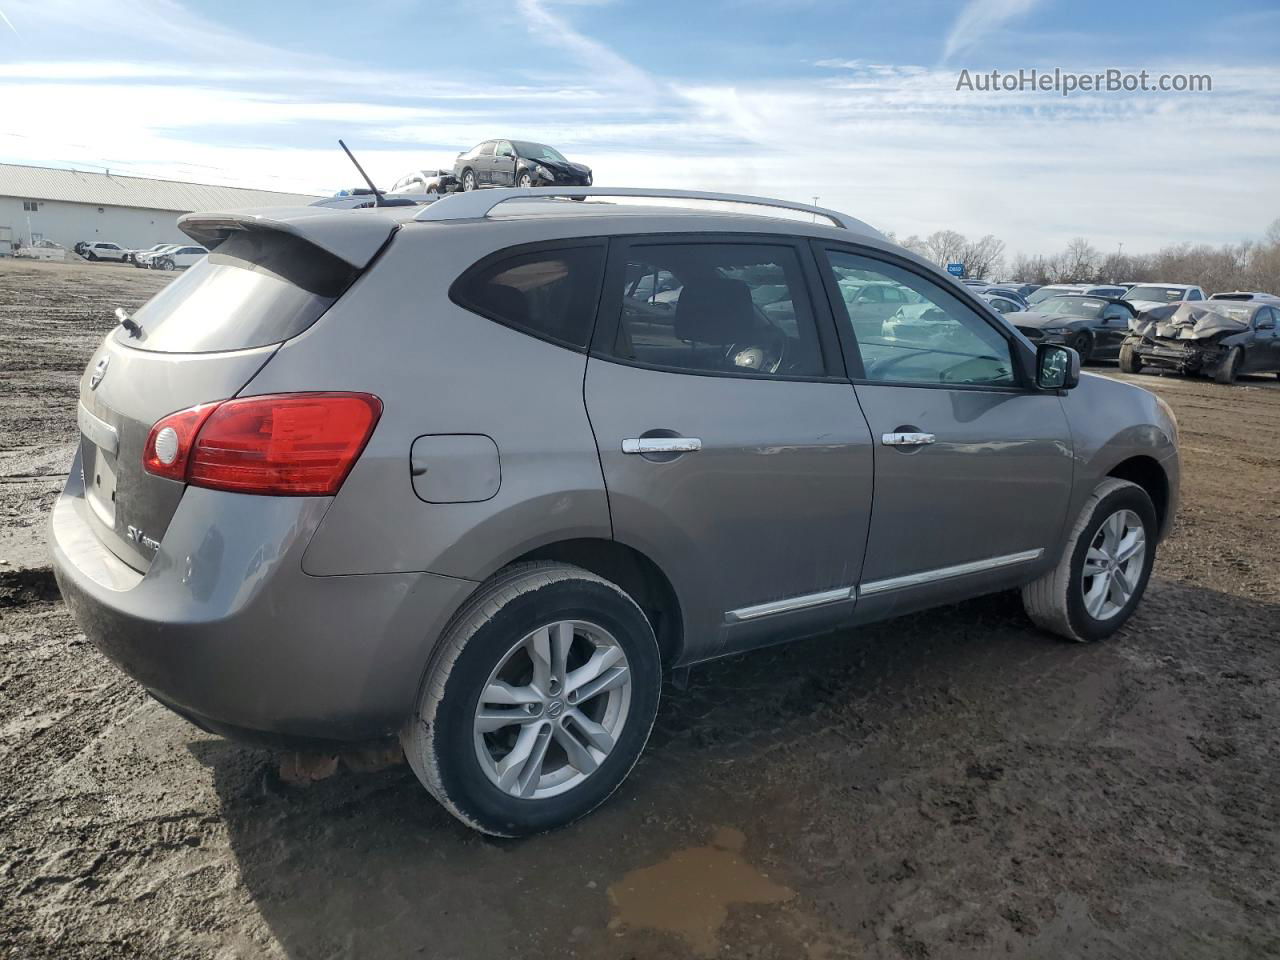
(1094, 327)
(1218, 338)
(517, 163)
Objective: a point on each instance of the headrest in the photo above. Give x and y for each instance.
(715, 311)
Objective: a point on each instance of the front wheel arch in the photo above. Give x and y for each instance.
(1147, 473)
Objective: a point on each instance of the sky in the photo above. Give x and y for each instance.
(853, 102)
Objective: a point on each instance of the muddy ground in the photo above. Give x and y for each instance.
(951, 785)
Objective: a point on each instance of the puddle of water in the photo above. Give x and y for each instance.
(689, 893)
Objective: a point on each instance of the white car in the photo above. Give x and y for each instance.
(132, 256)
(1074, 290)
(1148, 295)
(144, 258)
(177, 256)
(104, 251)
(42, 250)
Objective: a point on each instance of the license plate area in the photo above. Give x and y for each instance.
(99, 481)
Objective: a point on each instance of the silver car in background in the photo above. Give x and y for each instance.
(475, 474)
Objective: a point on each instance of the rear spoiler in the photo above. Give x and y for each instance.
(354, 237)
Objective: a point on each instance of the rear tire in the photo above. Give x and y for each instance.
(1130, 362)
(468, 181)
(473, 767)
(1065, 600)
(1229, 368)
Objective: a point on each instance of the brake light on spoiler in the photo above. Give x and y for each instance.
(284, 444)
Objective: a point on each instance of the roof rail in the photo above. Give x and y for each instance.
(476, 204)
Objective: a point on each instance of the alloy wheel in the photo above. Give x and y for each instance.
(1113, 564)
(552, 710)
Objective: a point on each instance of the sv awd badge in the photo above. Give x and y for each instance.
(140, 538)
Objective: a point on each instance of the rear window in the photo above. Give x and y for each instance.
(255, 288)
(549, 293)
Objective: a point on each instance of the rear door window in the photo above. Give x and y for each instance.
(739, 309)
(256, 288)
(550, 293)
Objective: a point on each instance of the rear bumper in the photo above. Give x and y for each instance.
(226, 629)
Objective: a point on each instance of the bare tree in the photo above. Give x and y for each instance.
(982, 257)
(917, 246)
(1079, 262)
(945, 246)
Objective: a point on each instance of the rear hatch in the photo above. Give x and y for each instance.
(201, 339)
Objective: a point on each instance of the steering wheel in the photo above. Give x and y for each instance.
(759, 357)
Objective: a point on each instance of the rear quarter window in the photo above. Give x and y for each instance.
(255, 288)
(550, 293)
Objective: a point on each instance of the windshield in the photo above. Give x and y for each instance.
(1160, 294)
(537, 151)
(1044, 293)
(1073, 306)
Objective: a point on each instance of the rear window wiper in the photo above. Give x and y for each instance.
(128, 322)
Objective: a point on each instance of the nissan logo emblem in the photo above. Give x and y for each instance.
(99, 371)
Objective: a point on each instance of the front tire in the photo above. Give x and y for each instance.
(166, 264)
(1130, 362)
(1082, 343)
(525, 181)
(468, 181)
(1229, 368)
(1104, 568)
(538, 701)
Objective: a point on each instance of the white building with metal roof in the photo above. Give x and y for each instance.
(68, 206)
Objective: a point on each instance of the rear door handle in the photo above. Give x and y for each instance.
(906, 439)
(662, 445)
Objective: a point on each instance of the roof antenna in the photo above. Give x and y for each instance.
(377, 194)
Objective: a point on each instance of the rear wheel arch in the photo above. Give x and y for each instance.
(1147, 473)
(636, 574)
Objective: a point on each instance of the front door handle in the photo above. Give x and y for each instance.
(662, 445)
(906, 439)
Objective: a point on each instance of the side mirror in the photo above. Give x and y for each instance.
(1267, 325)
(1057, 368)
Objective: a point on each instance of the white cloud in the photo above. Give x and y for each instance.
(893, 144)
(602, 62)
(980, 18)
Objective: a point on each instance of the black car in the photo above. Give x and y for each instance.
(517, 163)
(1094, 327)
(1221, 338)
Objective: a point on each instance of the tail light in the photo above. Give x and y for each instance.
(286, 444)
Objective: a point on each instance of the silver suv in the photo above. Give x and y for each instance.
(475, 474)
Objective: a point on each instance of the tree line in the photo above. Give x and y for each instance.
(1250, 265)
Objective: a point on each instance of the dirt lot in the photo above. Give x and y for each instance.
(950, 785)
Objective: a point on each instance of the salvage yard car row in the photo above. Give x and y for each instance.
(161, 256)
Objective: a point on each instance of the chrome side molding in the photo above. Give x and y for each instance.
(790, 604)
(946, 573)
(805, 601)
